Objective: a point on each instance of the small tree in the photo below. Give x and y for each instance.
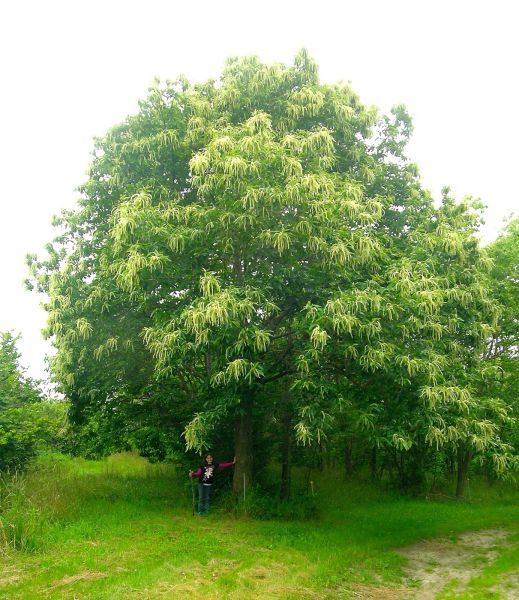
(25, 421)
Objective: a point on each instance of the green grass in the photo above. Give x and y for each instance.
(122, 528)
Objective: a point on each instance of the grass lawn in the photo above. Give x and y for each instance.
(122, 528)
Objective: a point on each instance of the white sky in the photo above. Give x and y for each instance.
(70, 70)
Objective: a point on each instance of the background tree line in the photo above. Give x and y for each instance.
(255, 266)
(29, 422)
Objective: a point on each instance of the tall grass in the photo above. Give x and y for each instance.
(59, 489)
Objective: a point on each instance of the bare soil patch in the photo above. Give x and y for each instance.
(435, 563)
(508, 587)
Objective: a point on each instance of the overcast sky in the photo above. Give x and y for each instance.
(70, 70)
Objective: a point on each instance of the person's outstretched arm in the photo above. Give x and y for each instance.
(196, 473)
(227, 465)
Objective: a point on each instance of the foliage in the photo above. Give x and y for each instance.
(15, 388)
(262, 233)
(503, 347)
(27, 422)
(505, 285)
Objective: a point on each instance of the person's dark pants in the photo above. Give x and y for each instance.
(204, 492)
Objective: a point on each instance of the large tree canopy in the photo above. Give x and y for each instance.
(260, 239)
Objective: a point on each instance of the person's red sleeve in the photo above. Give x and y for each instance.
(196, 473)
(226, 465)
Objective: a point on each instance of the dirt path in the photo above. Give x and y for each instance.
(435, 563)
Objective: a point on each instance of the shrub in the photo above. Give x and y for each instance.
(258, 504)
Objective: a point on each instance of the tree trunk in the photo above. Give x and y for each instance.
(373, 463)
(286, 435)
(243, 444)
(348, 457)
(464, 457)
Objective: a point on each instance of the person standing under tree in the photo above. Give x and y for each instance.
(205, 474)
